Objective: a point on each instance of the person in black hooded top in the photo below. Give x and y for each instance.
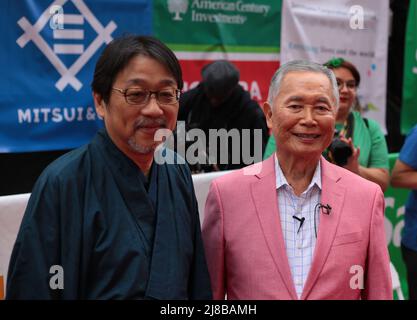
(219, 102)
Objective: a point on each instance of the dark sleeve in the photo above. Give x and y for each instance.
(46, 249)
(36, 248)
(199, 286)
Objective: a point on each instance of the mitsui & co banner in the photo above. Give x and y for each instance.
(49, 50)
(409, 105)
(356, 31)
(246, 32)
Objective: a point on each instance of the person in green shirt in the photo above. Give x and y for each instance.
(369, 152)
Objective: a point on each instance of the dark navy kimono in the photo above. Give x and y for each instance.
(115, 234)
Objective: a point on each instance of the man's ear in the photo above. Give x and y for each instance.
(99, 104)
(267, 108)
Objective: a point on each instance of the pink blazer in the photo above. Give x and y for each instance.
(245, 248)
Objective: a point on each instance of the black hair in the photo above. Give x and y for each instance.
(121, 50)
(219, 78)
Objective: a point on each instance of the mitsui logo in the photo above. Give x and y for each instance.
(66, 41)
(177, 7)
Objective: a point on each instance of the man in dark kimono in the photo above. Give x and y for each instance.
(106, 221)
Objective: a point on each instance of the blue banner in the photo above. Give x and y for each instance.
(47, 58)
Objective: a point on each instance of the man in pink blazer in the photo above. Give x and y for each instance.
(296, 226)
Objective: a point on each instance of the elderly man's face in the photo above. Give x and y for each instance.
(303, 114)
(132, 127)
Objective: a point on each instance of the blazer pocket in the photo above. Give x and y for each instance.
(347, 238)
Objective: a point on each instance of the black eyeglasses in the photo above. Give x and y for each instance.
(351, 84)
(141, 97)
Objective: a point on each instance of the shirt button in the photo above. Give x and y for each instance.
(299, 245)
(298, 282)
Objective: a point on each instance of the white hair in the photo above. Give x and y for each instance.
(301, 65)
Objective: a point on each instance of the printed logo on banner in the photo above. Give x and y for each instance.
(237, 18)
(50, 53)
(57, 21)
(177, 7)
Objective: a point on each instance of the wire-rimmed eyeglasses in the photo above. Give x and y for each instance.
(141, 97)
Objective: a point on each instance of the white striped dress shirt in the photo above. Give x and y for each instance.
(299, 242)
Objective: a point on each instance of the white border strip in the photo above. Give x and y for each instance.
(183, 55)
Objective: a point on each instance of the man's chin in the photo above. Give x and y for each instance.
(142, 149)
(308, 152)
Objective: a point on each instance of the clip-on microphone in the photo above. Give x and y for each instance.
(301, 220)
(326, 208)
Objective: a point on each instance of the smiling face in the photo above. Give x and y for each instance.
(132, 127)
(303, 114)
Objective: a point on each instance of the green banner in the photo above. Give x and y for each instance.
(409, 105)
(219, 25)
(395, 200)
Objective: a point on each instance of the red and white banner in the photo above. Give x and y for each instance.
(255, 76)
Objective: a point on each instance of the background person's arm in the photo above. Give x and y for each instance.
(377, 175)
(378, 168)
(404, 176)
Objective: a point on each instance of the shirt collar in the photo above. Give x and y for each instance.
(282, 181)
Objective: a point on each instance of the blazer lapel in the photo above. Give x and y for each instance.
(265, 200)
(332, 194)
